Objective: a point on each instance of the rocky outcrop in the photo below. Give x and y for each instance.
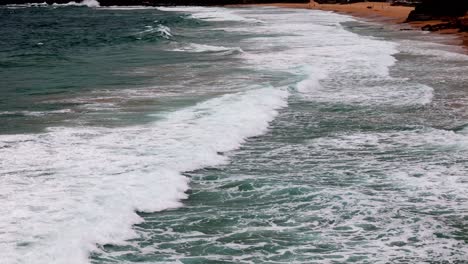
(463, 23)
(453, 13)
(438, 9)
(440, 26)
(460, 23)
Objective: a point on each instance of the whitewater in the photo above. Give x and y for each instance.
(234, 135)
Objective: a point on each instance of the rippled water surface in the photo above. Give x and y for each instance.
(228, 135)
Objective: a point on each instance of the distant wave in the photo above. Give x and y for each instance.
(435, 50)
(162, 30)
(193, 47)
(35, 113)
(88, 3)
(211, 14)
(15, 6)
(128, 7)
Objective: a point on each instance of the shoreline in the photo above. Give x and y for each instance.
(380, 12)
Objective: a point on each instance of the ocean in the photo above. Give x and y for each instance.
(228, 135)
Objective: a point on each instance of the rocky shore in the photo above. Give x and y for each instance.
(444, 16)
(438, 9)
(453, 14)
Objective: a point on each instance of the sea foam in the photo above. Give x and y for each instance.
(193, 47)
(212, 14)
(69, 189)
(88, 3)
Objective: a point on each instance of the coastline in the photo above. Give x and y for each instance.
(383, 13)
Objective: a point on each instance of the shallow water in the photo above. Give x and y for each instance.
(254, 135)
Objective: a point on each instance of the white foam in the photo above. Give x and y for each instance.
(127, 7)
(464, 131)
(162, 30)
(16, 6)
(36, 113)
(88, 3)
(428, 138)
(434, 50)
(165, 31)
(433, 152)
(68, 189)
(396, 173)
(193, 47)
(338, 66)
(394, 93)
(211, 13)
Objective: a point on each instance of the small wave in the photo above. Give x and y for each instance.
(84, 184)
(127, 7)
(390, 93)
(163, 31)
(434, 50)
(211, 14)
(428, 138)
(35, 113)
(88, 3)
(464, 131)
(193, 47)
(362, 86)
(16, 6)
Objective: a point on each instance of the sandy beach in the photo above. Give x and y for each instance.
(381, 12)
(375, 10)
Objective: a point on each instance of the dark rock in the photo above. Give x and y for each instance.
(441, 26)
(452, 11)
(438, 9)
(463, 23)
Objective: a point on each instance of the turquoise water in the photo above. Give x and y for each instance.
(216, 135)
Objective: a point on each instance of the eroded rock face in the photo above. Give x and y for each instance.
(438, 9)
(452, 12)
(463, 23)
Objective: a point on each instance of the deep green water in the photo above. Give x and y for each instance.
(254, 135)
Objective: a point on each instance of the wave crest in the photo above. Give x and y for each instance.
(88, 3)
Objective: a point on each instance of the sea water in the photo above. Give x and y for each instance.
(228, 135)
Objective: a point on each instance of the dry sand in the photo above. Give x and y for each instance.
(377, 10)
